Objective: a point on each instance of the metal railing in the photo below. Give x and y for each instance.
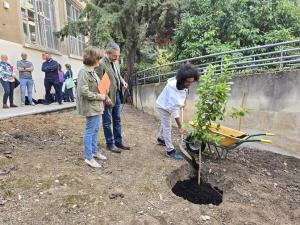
(272, 57)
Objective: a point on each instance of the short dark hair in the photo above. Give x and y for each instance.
(91, 55)
(68, 66)
(187, 71)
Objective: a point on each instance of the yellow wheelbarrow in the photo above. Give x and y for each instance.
(230, 139)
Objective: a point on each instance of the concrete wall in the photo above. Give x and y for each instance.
(273, 98)
(11, 26)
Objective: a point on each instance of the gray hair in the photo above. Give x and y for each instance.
(112, 46)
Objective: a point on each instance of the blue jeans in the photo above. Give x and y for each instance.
(113, 115)
(26, 83)
(8, 91)
(90, 139)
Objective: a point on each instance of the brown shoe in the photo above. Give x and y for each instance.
(113, 148)
(5, 106)
(122, 146)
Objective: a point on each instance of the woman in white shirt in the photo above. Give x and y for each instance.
(169, 103)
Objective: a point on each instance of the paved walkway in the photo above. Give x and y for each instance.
(31, 110)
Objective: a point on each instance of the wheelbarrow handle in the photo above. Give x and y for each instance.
(261, 134)
(256, 135)
(264, 141)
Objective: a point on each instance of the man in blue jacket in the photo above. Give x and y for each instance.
(50, 67)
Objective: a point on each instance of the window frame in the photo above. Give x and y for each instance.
(75, 44)
(43, 17)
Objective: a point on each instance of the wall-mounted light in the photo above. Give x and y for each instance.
(6, 5)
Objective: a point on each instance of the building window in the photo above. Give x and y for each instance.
(39, 23)
(75, 44)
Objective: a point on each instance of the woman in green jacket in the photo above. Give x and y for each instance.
(90, 103)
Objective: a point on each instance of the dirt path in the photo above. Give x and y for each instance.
(45, 181)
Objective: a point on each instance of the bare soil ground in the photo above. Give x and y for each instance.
(43, 179)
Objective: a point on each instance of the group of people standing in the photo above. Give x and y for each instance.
(95, 105)
(54, 76)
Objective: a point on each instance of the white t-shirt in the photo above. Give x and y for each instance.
(171, 99)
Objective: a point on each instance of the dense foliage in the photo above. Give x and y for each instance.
(152, 32)
(209, 26)
(134, 25)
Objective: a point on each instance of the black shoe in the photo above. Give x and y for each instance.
(5, 106)
(122, 146)
(13, 106)
(113, 148)
(161, 142)
(46, 103)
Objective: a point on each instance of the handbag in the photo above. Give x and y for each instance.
(17, 82)
(69, 83)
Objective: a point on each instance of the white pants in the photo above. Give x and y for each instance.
(165, 130)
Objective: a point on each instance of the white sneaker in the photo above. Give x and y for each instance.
(98, 155)
(93, 163)
(32, 104)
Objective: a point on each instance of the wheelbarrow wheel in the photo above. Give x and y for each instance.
(192, 147)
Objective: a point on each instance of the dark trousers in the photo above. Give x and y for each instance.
(48, 85)
(8, 91)
(112, 115)
(60, 85)
(69, 96)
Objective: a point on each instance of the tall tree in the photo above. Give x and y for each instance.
(209, 26)
(128, 22)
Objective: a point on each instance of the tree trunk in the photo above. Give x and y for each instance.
(130, 61)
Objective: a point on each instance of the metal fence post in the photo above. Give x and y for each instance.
(222, 58)
(159, 77)
(144, 78)
(281, 59)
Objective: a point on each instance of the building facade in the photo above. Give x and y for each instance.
(29, 25)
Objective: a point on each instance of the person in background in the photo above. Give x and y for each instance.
(60, 82)
(112, 114)
(50, 67)
(69, 96)
(7, 78)
(25, 69)
(169, 103)
(90, 104)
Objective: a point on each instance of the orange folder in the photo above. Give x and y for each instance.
(104, 85)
